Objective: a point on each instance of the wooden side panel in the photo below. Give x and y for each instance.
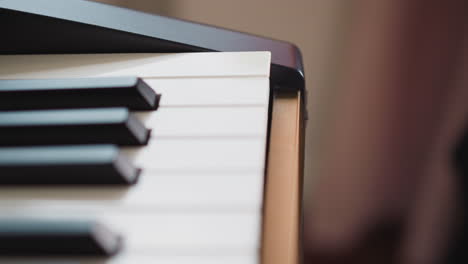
(283, 187)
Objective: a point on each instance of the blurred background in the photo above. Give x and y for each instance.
(316, 26)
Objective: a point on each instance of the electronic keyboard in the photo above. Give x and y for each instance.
(124, 155)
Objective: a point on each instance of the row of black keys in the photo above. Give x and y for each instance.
(102, 115)
(67, 130)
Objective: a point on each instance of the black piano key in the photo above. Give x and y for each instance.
(130, 92)
(19, 237)
(66, 165)
(81, 126)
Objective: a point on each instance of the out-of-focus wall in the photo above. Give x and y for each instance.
(316, 26)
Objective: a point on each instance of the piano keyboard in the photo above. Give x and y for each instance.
(199, 195)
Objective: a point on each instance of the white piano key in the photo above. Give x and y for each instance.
(185, 154)
(175, 233)
(128, 258)
(224, 91)
(174, 192)
(206, 121)
(146, 65)
(199, 199)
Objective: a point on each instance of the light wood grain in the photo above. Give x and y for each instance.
(282, 211)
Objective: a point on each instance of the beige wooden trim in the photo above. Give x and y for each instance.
(282, 214)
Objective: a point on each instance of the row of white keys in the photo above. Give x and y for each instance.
(199, 198)
(234, 107)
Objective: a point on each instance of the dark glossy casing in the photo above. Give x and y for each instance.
(78, 26)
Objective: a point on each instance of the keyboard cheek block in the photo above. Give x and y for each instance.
(65, 165)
